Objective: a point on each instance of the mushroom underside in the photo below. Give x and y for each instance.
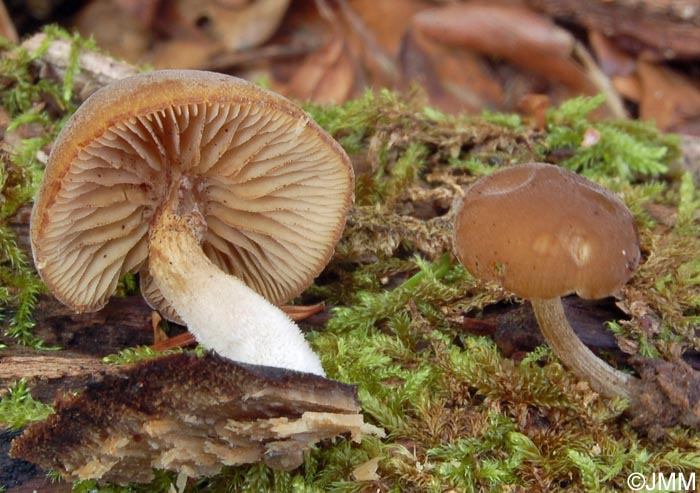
(191, 415)
(266, 181)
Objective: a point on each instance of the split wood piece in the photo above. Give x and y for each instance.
(296, 312)
(48, 374)
(96, 69)
(191, 415)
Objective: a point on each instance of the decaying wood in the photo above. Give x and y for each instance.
(669, 395)
(124, 322)
(96, 69)
(191, 415)
(48, 373)
(18, 476)
(660, 28)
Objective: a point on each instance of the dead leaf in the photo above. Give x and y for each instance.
(669, 98)
(590, 137)
(518, 35)
(655, 29)
(236, 24)
(7, 27)
(454, 79)
(611, 59)
(534, 107)
(367, 471)
(182, 33)
(326, 76)
(628, 86)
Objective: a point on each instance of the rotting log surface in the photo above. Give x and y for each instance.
(191, 415)
(48, 374)
(124, 322)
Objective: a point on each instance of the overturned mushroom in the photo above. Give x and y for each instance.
(543, 232)
(225, 197)
(190, 415)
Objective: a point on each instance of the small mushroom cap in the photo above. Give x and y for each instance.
(543, 232)
(273, 187)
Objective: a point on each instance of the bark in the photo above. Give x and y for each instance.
(659, 28)
(49, 373)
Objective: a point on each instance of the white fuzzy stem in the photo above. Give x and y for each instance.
(221, 312)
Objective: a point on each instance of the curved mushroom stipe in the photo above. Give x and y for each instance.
(566, 345)
(252, 330)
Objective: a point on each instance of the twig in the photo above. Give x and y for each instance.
(96, 69)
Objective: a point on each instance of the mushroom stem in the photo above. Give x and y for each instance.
(575, 355)
(221, 311)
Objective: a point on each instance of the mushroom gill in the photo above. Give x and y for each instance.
(254, 177)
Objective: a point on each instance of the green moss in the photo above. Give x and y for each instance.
(37, 108)
(142, 353)
(19, 284)
(624, 149)
(18, 407)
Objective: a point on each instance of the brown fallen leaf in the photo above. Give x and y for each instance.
(115, 29)
(534, 107)
(454, 79)
(325, 76)
(516, 34)
(388, 20)
(181, 33)
(656, 29)
(628, 86)
(235, 24)
(612, 60)
(367, 471)
(669, 98)
(7, 27)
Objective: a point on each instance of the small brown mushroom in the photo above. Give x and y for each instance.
(226, 198)
(190, 415)
(543, 232)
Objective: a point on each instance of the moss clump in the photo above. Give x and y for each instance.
(624, 149)
(37, 109)
(18, 408)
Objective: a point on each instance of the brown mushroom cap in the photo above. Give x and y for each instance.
(273, 186)
(543, 232)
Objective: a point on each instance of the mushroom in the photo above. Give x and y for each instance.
(544, 232)
(225, 197)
